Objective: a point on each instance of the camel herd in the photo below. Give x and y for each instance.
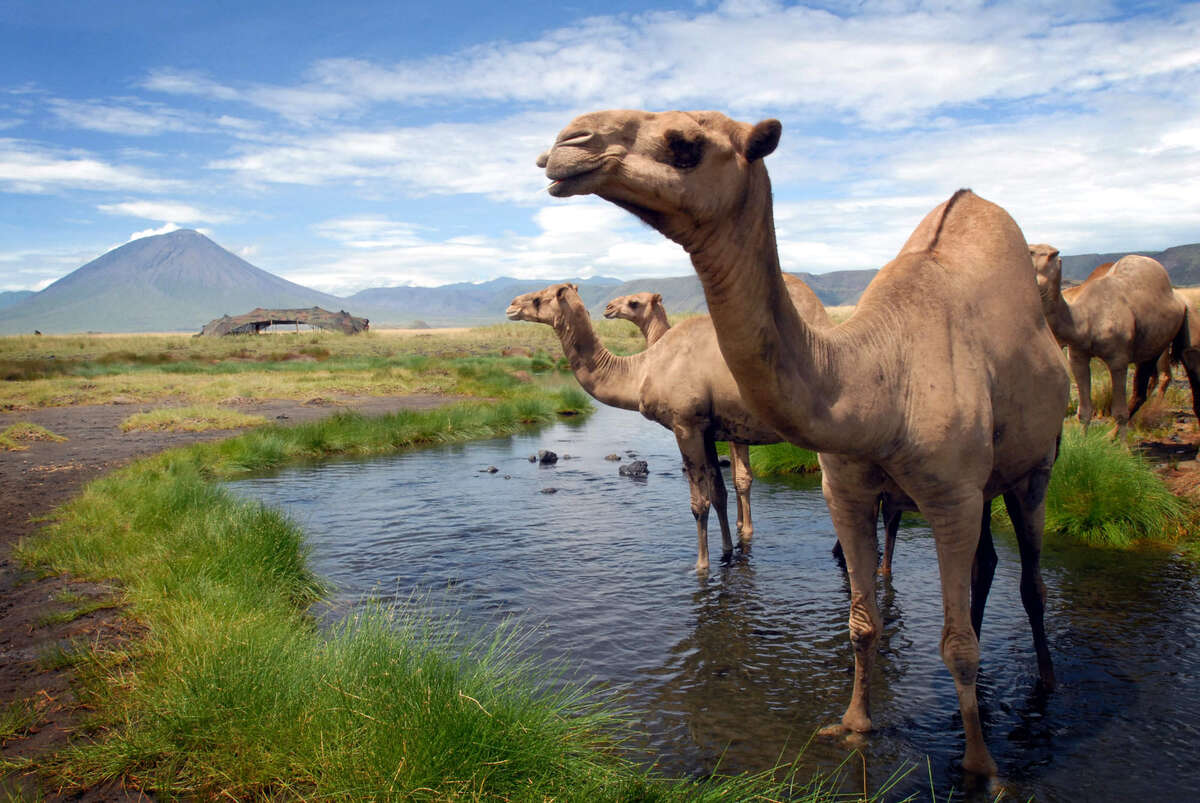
(946, 388)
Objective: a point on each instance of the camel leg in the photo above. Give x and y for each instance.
(983, 570)
(1143, 374)
(1027, 508)
(706, 488)
(739, 461)
(1081, 370)
(891, 526)
(1119, 371)
(1191, 365)
(1164, 373)
(956, 536)
(854, 507)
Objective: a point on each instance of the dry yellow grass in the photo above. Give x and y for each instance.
(193, 418)
(14, 437)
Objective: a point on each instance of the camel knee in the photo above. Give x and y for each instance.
(865, 623)
(960, 654)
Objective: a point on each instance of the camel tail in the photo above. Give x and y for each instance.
(945, 214)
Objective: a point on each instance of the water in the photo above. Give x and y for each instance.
(744, 665)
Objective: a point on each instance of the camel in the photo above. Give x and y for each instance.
(681, 382)
(1124, 313)
(646, 311)
(1164, 361)
(945, 386)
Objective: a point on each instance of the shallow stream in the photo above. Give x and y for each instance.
(744, 665)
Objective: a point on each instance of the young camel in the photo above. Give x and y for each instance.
(1125, 311)
(646, 311)
(680, 381)
(968, 387)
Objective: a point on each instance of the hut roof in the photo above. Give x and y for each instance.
(258, 319)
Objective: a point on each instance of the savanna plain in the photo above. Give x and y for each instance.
(159, 635)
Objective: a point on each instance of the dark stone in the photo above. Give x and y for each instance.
(488, 470)
(724, 461)
(546, 457)
(549, 490)
(638, 468)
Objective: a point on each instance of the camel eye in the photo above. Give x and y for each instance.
(683, 153)
(633, 304)
(537, 302)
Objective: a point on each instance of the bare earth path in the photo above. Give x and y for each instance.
(34, 482)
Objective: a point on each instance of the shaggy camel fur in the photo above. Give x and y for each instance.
(680, 381)
(1126, 314)
(646, 311)
(967, 388)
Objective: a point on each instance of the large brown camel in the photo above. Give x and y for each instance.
(945, 386)
(1127, 313)
(647, 313)
(680, 381)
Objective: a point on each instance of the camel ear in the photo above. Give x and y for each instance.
(763, 139)
(656, 299)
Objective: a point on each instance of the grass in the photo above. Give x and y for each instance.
(78, 369)
(773, 459)
(15, 436)
(233, 691)
(16, 718)
(193, 418)
(1101, 494)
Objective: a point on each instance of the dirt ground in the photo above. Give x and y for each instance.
(32, 484)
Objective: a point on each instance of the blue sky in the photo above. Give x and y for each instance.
(367, 144)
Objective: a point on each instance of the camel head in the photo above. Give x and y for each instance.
(548, 305)
(1048, 265)
(675, 170)
(637, 307)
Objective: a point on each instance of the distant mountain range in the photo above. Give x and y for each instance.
(182, 280)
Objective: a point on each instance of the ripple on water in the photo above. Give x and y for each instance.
(743, 665)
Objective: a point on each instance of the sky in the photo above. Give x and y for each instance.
(370, 144)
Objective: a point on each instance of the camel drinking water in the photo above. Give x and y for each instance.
(968, 387)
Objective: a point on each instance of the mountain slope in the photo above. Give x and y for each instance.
(169, 282)
(1181, 261)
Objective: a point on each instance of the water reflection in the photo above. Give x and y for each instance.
(741, 667)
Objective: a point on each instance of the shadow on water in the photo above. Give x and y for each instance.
(742, 666)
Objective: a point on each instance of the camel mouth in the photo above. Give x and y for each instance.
(609, 312)
(565, 184)
(513, 313)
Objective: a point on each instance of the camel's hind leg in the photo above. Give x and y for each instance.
(1143, 374)
(1164, 373)
(1191, 365)
(1081, 370)
(706, 486)
(890, 513)
(739, 462)
(1119, 370)
(1027, 508)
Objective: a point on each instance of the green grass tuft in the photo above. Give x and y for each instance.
(193, 418)
(1102, 495)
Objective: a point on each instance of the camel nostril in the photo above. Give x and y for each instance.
(575, 138)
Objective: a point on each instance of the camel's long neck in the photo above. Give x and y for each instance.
(799, 380)
(610, 379)
(1060, 315)
(655, 326)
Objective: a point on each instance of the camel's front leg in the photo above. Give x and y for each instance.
(890, 513)
(706, 486)
(955, 527)
(1081, 370)
(739, 461)
(1143, 374)
(853, 506)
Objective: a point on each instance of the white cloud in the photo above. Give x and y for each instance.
(163, 210)
(29, 168)
(166, 228)
(127, 116)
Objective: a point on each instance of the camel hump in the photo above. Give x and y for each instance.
(967, 226)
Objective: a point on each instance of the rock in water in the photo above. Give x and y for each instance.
(637, 468)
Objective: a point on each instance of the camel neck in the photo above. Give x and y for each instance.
(1060, 314)
(608, 378)
(798, 379)
(655, 326)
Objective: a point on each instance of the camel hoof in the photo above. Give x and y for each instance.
(885, 571)
(840, 733)
(981, 764)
